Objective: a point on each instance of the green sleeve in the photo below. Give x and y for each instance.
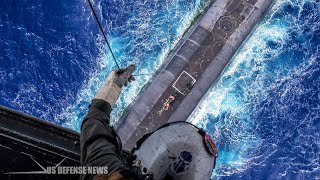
(100, 145)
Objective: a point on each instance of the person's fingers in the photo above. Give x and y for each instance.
(131, 78)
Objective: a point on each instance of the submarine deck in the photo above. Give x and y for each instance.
(202, 55)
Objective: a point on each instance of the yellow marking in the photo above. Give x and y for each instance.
(164, 106)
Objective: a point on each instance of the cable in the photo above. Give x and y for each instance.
(101, 29)
(141, 75)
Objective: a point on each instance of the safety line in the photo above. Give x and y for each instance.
(101, 29)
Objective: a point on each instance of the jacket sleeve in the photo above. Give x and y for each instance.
(100, 145)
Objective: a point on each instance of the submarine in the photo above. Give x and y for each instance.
(171, 149)
(31, 148)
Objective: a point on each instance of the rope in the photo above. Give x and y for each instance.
(141, 75)
(101, 29)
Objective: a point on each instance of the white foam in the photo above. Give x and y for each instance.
(137, 46)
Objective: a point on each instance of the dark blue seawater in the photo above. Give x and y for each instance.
(47, 51)
(264, 112)
(53, 59)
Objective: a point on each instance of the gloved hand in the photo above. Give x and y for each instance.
(111, 89)
(124, 76)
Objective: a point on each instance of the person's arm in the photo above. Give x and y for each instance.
(99, 143)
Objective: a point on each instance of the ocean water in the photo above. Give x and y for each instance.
(264, 112)
(53, 58)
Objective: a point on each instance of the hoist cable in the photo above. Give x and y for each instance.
(105, 37)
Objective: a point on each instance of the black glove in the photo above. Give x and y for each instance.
(125, 76)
